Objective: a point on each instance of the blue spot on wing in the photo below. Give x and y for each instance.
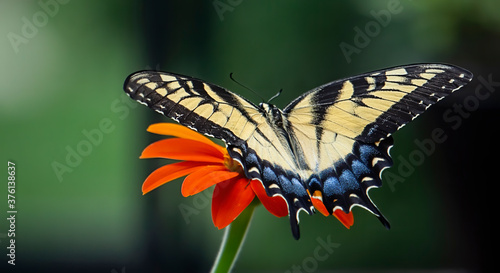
(332, 187)
(346, 183)
(292, 190)
(359, 168)
(343, 185)
(252, 159)
(269, 175)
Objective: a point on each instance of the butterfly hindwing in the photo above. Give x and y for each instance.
(331, 142)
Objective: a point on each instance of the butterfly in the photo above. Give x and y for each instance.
(331, 143)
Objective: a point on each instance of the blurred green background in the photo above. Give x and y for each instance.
(75, 137)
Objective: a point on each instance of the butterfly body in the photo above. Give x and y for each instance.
(331, 142)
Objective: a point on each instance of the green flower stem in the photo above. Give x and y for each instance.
(234, 235)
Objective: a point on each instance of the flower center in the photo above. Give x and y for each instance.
(232, 165)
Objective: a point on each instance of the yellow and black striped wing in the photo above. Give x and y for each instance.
(250, 138)
(204, 107)
(344, 127)
(372, 106)
(332, 141)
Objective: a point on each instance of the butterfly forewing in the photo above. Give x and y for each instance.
(206, 108)
(372, 106)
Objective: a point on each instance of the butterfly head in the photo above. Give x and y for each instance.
(273, 114)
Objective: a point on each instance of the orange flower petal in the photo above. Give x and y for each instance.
(275, 205)
(177, 130)
(168, 173)
(229, 199)
(317, 201)
(183, 149)
(204, 178)
(345, 218)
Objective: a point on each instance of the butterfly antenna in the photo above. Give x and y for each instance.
(275, 96)
(246, 87)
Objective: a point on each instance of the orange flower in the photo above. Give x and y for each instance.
(205, 164)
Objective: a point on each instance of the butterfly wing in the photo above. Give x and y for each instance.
(206, 108)
(262, 150)
(345, 127)
(372, 106)
(336, 137)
